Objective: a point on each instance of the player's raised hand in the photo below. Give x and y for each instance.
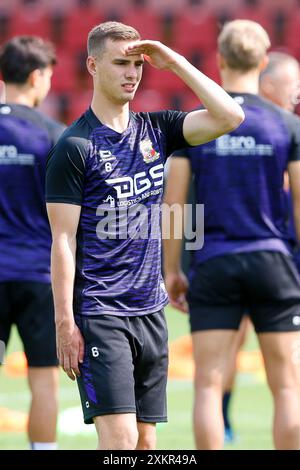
(156, 53)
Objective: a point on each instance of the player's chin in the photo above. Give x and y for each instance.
(128, 96)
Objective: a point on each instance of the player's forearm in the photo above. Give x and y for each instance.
(172, 249)
(217, 102)
(172, 234)
(62, 275)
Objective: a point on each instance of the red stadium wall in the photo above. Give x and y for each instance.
(189, 26)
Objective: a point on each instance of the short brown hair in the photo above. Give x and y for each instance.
(109, 30)
(243, 44)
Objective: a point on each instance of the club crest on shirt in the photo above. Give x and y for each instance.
(148, 152)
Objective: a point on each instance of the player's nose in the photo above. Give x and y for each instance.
(131, 72)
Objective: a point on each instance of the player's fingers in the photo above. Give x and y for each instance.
(138, 51)
(74, 365)
(61, 358)
(70, 374)
(141, 44)
(66, 365)
(185, 307)
(81, 351)
(178, 305)
(75, 370)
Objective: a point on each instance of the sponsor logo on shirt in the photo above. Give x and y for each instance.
(239, 145)
(9, 156)
(139, 184)
(148, 152)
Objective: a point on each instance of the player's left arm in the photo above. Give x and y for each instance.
(222, 113)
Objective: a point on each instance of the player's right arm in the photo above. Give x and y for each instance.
(175, 194)
(221, 113)
(64, 188)
(64, 219)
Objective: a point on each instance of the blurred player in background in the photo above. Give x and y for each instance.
(279, 82)
(26, 137)
(109, 299)
(245, 262)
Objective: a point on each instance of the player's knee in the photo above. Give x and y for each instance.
(286, 392)
(147, 439)
(124, 438)
(146, 443)
(208, 378)
(44, 385)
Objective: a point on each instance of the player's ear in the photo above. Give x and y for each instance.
(34, 78)
(220, 61)
(91, 65)
(263, 64)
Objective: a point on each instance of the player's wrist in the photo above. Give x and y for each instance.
(178, 63)
(173, 271)
(64, 321)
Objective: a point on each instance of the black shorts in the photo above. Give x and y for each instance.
(265, 284)
(29, 305)
(125, 366)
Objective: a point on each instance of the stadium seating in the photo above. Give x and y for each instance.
(192, 31)
(32, 22)
(189, 26)
(147, 22)
(64, 76)
(78, 104)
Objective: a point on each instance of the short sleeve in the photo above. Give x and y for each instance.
(55, 131)
(183, 153)
(293, 124)
(171, 125)
(65, 171)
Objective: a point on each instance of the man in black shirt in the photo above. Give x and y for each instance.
(111, 161)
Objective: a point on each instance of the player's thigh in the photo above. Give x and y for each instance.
(211, 350)
(281, 353)
(106, 383)
(215, 297)
(151, 368)
(273, 287)
(43, 382)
